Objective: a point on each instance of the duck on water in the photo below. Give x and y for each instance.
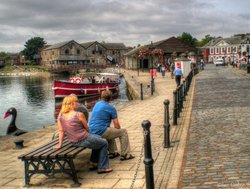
(12, 129)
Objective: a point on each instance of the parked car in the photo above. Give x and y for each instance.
(219, 61)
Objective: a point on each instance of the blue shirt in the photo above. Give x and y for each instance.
(101, 117)
(177, 71)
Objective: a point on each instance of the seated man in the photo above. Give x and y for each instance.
(102, 115)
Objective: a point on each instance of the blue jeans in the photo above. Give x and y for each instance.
(99, 148)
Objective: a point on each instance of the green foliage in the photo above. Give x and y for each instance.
(204, 40)
(32, 47)
(4, 56)
(188, 39)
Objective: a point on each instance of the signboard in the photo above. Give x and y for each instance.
(109, 58)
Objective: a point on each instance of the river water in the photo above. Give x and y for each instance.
(34, 100)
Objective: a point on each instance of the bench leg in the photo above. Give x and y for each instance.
(26, 174)
(74, 175)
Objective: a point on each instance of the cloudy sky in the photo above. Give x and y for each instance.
(132, 22)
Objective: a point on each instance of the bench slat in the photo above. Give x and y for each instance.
(55, 153)
(46, 153)
(42, 149)
(75, 151)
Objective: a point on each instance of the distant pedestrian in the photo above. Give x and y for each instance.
(163, 71)
(178, 74)
(172, 70)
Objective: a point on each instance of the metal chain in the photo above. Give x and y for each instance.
(138, 163)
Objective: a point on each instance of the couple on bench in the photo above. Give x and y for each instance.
(74, 124)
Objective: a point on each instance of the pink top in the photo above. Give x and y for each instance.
(73, 128)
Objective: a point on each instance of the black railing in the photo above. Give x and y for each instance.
(179, 95)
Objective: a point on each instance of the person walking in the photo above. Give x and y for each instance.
(178, 74)
(102, 115)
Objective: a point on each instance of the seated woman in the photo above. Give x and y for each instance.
(74, 125)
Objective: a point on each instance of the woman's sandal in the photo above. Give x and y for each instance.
(127, 157)
(101, 171)
(114, 155)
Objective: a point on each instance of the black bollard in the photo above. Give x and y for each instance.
(141, 92)
(178, 101)
(181, 96)
(18, 143)
(184, 90)
(152, 86)
(148, 160)
(175, 112)
(166, 125)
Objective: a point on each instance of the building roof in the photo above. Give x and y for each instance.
(58, 45)
(117, 46)
(88, 44)
(169, 45)
(234, 40)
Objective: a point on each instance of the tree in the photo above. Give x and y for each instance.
(188, 39)
(32, 47)
(4, 56)
(205, 40)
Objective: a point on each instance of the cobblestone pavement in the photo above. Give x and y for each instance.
(218, 149)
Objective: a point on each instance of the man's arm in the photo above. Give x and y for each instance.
(116, 123)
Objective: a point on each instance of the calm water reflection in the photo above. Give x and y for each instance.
(34, 100)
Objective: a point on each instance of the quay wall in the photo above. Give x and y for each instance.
(132, 93)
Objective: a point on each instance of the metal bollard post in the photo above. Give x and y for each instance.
(184, 90)
(148, 160)
(141, 92)
(166, 125)
(178, 101)
(181, 95)
(152, 86)
(175, 112)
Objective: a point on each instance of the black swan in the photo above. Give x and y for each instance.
(12, 129)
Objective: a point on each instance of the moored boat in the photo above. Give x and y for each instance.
(84, 85)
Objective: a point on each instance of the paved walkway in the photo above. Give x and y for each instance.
(218, 150)
(131, 116)
(226, 161)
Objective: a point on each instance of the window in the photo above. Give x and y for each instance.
(66, 51)
(222, 50)
(78, 51)
(217, 50)
(211, 50)
(228, 49)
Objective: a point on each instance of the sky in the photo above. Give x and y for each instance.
(131, 22)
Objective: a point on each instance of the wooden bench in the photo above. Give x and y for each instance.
(45, 160)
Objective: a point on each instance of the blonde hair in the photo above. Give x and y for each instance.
(68, 103)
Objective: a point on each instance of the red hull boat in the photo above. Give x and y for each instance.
(81, 88)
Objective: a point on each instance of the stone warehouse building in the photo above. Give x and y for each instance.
(72, 54)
